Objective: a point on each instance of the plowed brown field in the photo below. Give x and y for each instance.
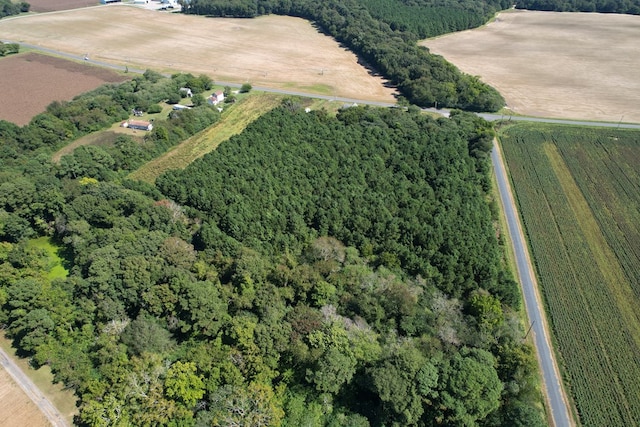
(273, 51)
(32, 81)
(52, 5)
(564, 65)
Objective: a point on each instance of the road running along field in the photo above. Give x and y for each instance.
(579, 197)
(551, 64)
(271, 51)
(32, 81)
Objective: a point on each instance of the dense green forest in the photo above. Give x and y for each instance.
(388, 45)
(631, 7)
(8, 8)
(315, 270)
(430, 18)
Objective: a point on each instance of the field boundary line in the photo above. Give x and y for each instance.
(555, 396)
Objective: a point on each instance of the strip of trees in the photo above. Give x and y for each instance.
(314, 270)
(9, 8)
(630, 7)
(389, 46)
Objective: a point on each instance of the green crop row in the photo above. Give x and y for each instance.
(579, 197)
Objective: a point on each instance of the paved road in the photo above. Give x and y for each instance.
(552, 380)
(441, 111)
(34, 393)
(553, 385)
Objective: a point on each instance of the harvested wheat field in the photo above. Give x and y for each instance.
(32, 81)
(568, 65)
(272, 51)
(16, 409)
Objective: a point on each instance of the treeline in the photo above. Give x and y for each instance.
(8, 8)
(9, 48)
(631, 7)
(65, 121)
(424, 79)
(430, 18)
(228, 310)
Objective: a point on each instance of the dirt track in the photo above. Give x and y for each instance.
(270, 51)
(563, 65)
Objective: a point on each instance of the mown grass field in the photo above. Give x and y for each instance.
(234, 120)
(578, 191)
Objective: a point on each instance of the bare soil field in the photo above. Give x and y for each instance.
(32, 81)
(551, 64)
(54, 5)
(271, 51)
(16, 409)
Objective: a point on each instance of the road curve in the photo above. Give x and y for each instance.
(557, 405)
(46, 407)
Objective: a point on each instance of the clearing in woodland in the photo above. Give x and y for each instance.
(273, 51)
(579, 196)
(551, 64)
(233, 121)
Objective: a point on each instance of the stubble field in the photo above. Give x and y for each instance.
(32, 81)
(274, 51)
(16, 409)
(550, 64)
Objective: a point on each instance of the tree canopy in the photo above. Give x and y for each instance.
(314, 270)
(384, 35)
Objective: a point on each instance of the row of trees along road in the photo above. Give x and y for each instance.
(388, 41)
(345, 274)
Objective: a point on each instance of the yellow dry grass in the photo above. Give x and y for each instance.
(16, 409)
(63, 399)
(233, 121)
(272, 51)
(565, 65)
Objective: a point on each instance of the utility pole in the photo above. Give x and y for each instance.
(527, 334)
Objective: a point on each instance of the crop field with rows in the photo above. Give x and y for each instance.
(578, 191)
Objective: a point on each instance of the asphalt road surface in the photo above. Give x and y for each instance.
(553, 385)
(53, 415)
(558, 408)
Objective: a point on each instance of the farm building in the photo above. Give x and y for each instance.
(181, 107)
(216, 98)
(137, 124)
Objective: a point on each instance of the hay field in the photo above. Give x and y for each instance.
(16, 409)
(272, 51)
(551, 64)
